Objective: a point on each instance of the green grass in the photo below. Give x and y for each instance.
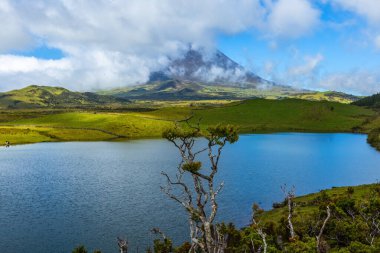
(129, 125)
(307, 204)
(249, 116)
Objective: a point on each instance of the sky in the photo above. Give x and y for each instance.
(102, 44)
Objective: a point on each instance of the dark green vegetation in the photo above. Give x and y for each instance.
(374, 138)
(371, 101)
(82, 249)
(353, 226)
(55, 97)
(373, 125)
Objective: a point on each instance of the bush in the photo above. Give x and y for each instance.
(80, 249)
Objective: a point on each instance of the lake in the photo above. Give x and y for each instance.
(55, 196)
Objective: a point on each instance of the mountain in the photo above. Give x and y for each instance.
(35, 96)
(201, 75)
(213, 69)
(370, 101)
(198, 75)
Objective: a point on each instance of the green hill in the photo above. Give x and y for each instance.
(188, 90)
(182, 90)
(263, 115)
(350, 214)
(371, 101)
(54, 97)
(373, 126)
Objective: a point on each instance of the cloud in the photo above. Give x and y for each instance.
(303, 72)
(358, 82)
(368, 9)
(308, 67)
(20, 64)
(116, 43)
(291, 18)
(12, 33)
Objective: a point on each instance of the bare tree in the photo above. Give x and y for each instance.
(289, 196)
(123, 245)
(199, 197)
(372, 220)
(319, 236)
(256, 223)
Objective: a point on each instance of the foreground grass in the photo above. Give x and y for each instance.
(258, 115)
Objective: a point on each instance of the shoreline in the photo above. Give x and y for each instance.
(122, 139)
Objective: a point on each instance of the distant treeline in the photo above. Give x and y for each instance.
(371, 101)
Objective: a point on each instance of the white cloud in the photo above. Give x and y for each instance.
(116, 43)
(311, 63)
(21, 64)
(369, 9)
(12, 33)
(291, 18)
(302, 72)
(357, 82)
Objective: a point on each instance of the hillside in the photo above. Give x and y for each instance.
(370, 101)
(186, 90)
(374, 125)
(351, 227)
(291, 115)
(54, 97)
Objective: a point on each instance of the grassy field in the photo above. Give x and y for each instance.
(262, 115)
(258, 115)
(307, 204)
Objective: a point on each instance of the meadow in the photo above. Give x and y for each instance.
(150, 120)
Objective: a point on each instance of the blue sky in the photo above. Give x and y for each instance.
(101, 44)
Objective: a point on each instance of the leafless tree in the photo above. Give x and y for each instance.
(199, 197)
(123, 245)
(319, 236)
(256, 223)
(289, 196)
(372, 220)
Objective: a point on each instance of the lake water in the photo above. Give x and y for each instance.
(55, 196)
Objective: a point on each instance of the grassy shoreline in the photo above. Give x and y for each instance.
(250, 116)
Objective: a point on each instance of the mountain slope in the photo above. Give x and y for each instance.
(54, 97)
(371, 101)
(186, 90)
(213, 69)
